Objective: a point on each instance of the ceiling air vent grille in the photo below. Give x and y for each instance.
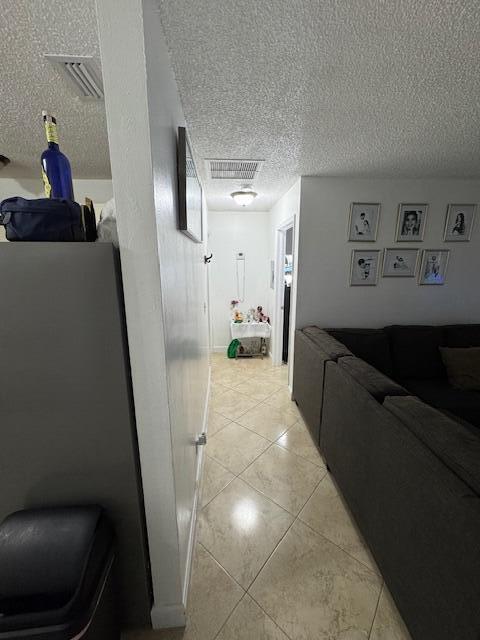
(233, 169)
(82, 74)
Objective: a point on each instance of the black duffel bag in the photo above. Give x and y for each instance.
(45, 220)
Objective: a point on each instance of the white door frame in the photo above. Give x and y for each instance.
(279, 290)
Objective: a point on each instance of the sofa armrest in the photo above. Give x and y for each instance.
(308, 374)
(449, 440)
(375, 382)
(327, 343)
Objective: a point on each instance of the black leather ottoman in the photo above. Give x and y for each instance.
(56, 578)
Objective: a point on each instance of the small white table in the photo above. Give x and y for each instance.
(260, 330)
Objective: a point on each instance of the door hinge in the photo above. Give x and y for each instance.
(201, 440)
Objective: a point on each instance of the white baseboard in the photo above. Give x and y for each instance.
(220, 349)
(168, 616)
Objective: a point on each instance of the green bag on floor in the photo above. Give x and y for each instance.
(232, 348)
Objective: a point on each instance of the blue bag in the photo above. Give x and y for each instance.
(44, 220)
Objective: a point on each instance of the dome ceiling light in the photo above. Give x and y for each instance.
(244, 197)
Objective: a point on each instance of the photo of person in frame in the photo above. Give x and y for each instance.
(411, 222)
(363, 223)
(459, 227)
(434, 266)
(364, 267)
(459, 222)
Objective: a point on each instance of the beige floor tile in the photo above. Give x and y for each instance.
(249, 622)
(212, 597)
(298, 440)
(284, 477)
(257, 388)
(229, 377)
(241, 528)
(282, 399)
(388, 625)
(216, 422)
(215, 478)
(326, 513)
(315, 591)
(268, 421)
(232, 404)
(216, 390)
(235, 447)
(277, 374)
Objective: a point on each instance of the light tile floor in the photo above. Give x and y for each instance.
(278, 556)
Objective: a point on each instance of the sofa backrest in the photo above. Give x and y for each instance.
(401, 351)
(462, 335)
(454, 444)
(368, 377)
(371, 345)
(415, 351)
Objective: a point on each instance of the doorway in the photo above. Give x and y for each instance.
(284, 292)
(287, 287)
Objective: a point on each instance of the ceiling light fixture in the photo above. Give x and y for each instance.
(244, 197)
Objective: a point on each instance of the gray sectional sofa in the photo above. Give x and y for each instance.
(409, 472)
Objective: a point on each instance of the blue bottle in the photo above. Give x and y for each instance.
(56, 170)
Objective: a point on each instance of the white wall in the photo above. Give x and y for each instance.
(324, 294)
(165, 288)
(97, 190)
(229, 233)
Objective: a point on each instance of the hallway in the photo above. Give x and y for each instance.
(277, 554)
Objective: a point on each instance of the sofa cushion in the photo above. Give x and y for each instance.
(440, 394)
(462, 335)
(371, 345)
(326, 342)
(377, 384)
(463, 367)
(415, 351)
(458, 448)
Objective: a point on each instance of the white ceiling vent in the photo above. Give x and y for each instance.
(245, 170)
(82, 73)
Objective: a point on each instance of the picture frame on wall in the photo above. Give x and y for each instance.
(400, 263)
(190, 195)
(459, 222)
(434, 266)
(364, 267)
(411, 222)
(363, 221)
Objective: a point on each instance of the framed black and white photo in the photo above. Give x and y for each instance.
(364, 268)
(434, 266)
(459, 222)
(400, 263)
(190, 214)
(411, 223)
(363, 222)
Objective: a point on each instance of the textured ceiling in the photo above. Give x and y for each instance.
(28, 83)
(331, 87)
